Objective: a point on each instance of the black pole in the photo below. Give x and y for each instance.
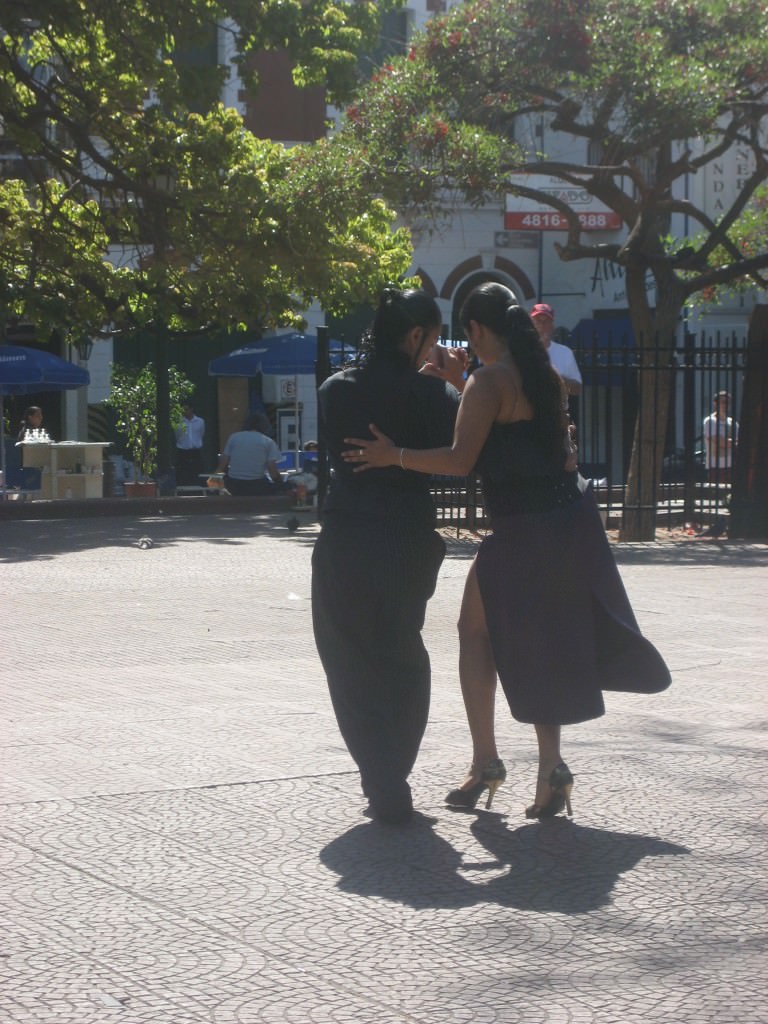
(689, 428)
(322, 372)
(749, 503)
(165, 474)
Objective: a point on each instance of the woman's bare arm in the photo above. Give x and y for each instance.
(479, 408)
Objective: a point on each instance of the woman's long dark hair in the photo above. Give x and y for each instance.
(399, 311)
(495, 307)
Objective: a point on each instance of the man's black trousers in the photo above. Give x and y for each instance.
(371, 580)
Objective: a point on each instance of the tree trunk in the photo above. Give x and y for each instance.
(655, 337)
(655, 387)
(749, 505)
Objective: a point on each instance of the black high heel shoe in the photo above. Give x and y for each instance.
(560, 782)
(492, 774)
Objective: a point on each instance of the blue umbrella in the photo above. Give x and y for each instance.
(284, 354)
(25, 371)
(287, 354)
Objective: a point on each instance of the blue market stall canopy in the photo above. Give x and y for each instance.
(284, 354)
(604, 349)
(25, 371)
(604, 332)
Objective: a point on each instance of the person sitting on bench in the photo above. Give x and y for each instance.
(249, 460)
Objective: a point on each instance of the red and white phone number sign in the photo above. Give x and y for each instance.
(551, 220)
(522, 213)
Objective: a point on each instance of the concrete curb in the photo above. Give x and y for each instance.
(171, 506)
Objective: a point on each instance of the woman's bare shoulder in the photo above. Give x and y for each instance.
(502, 379)
(500, 376)
(489, 372)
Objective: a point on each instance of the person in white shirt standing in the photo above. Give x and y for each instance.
(190, 434)
(561, 357)
(721, 435)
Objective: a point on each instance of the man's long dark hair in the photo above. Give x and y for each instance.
(496, 308)
(399, 311)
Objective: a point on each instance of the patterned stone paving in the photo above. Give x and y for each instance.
(182, 840)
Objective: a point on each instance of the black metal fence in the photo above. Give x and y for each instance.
(693, 482)
(689, 488)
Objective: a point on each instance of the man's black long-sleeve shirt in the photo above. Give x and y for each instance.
(414, 409)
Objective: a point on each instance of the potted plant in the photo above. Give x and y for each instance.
(133, 396)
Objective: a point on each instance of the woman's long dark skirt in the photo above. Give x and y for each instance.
(561, 625)
(371, 581)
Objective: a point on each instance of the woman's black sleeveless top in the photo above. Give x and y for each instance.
(519, 476)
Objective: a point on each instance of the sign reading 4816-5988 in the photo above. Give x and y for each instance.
(525, 214)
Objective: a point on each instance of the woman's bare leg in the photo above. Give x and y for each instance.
(548, 739)
(477, 674)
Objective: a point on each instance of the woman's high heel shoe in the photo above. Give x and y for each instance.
(492, 774)
(560, 782)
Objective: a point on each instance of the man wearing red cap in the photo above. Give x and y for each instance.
(561, 357)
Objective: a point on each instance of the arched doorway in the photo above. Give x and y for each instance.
(466, 286)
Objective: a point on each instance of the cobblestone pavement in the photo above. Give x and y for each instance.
(182, 838)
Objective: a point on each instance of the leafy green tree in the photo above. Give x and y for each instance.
(52, 248)
(133, 396)
(100, 97)
(139, 201)
(657, 90)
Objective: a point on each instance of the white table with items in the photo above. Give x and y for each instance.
(70, 469)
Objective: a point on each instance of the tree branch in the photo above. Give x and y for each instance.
(600, 250)
(728, 274)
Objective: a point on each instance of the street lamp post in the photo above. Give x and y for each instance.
(165, 474)
(84, 348)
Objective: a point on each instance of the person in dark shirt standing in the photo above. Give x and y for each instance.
(376, 561)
